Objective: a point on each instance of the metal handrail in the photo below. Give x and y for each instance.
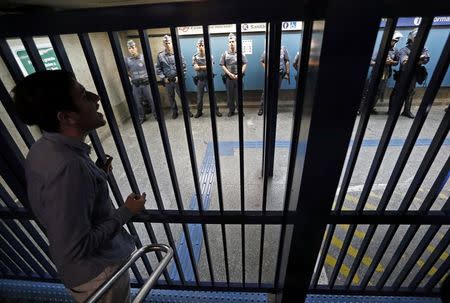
(151, 280)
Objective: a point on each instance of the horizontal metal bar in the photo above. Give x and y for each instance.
(175, 14)
(270, 217)
(371, 291)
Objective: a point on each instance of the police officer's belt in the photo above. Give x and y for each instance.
(139, 82)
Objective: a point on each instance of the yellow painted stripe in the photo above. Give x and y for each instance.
(432, 270)
(344, 270)
(354, 200)
(352, 251)
(358, 233)
(443, 196)
(372, 194)
(444, 255)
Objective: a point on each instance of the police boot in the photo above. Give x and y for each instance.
(198, 114)
(407, 111)
(260, 111)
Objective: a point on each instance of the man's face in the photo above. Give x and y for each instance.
(133, 50)
(168, 46)
(201, 47)
(232, 44)
(394, 42)
(86, 118)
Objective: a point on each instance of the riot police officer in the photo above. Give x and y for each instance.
(296, 63)
(284, 72)
(139, 79)
(200, 80)
(228, 62)
(392, 59)
(167, 71)
(418, 76)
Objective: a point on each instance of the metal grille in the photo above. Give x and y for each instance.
(313, 172)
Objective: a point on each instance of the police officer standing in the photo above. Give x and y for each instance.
(199, 64)
(228, 61)
(284, 72)
(418, 73)
(296, 64)
(139, 79)
(392, 59)
(167, 71)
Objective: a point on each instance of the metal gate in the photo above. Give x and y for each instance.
(317, 180)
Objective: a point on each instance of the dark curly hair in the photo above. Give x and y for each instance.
(40, 96)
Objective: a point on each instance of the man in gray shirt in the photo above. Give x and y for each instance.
(166, 70)
(228, 62)
(68, 192)
(137, 72)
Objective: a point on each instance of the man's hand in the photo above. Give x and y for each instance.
(287, 76)
(107, 166)
(176, 79)
(135, 203)
(166, 81)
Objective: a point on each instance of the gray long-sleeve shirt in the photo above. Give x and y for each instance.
(166, 66)
(69, 197)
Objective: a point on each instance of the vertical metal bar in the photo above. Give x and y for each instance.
(163, 131)
(115, 44)
(412, 230)
(10, 264)
(33, 53)
(272, 101)
(365, 114)
(60, 52)
(212, 108)
(440, 248)
(427, 161)
(10, 61)
(327, 124)
(430, 155)
(20, 126)
(96, 75)
(407, 77)
(190, 142)
(23, 253)
(31, 247)
(11, 252)
(305, 46)
(265, 105)
(241, 142)
(204, 227)
(273, 63)
(64, 61)
(5, 197)
(423, 244)
(438, 275)
(359, 136)
(65, 64)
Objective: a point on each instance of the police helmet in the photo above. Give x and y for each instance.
(412, 35)
(397, 35)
